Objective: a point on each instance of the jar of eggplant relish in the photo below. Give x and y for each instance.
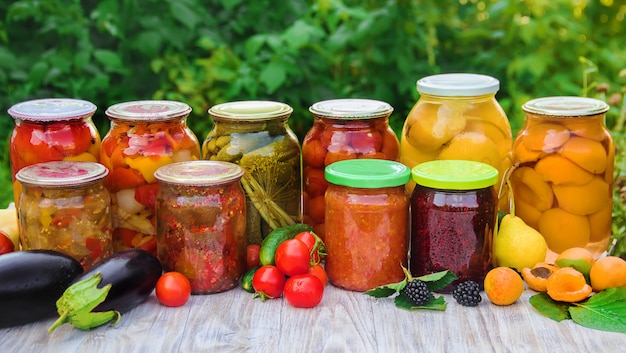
(454, 209)
(144, 136)
(64, 206)
(201, 223)
(367, 223)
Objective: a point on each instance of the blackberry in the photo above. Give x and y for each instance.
(467, 293)
(418, 292)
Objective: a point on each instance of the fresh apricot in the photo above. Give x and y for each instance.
(579, 258)
(537, 277)
(567, 285)
(608, 272)
(503, 285)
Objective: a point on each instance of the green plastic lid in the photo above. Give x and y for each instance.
(455, 175)
(367, 173)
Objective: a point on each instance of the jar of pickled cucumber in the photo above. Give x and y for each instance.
(563, 177)
(64, 206)
(457, 117)
(342, 129)
(201, 223)
(144, 136)
(52, 129)
(256, 136)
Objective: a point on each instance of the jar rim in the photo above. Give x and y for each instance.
(452, 174)
(367, 173)
(62, 173)
(566, 106)
(199, 173)
(251, 110)
(351, 108)
(458, 84)
(148, 110)
(52, 109)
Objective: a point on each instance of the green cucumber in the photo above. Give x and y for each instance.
(246, 280)
(277, 236)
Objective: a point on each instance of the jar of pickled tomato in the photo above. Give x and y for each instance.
(53, 129)
(563, 177)
(342, 129)
(367, 223)
(144, 136)
(454, 209)
(457, 117)
(65, 207)
(201, 223)
(256, 136)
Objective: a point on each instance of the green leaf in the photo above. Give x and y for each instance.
(403, 302)
(438, 280)
(547, 307)
(386, 290)
(273, 76)
(185, 15)
(604, 311)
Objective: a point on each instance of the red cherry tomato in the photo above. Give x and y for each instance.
(268, 282)
(304, 291)
(317, 248)
(252, 256)
(307, 238)
(6, 245)
(292, 257)
(173, 289)
(319, 272)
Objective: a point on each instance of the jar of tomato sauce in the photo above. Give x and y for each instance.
(64, 206)
(563, 177)
(144, 136)
(342, 129)
(454, 209)
(367, 223)
(52, 129)
(201, 223)
(457, 117)
(256, 136)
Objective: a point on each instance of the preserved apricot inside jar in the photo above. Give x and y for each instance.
(563, 176)
(367, 218)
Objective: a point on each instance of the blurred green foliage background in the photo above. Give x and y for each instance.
(205, 52)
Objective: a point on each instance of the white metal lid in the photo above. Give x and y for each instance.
(62, 173)
(52, 109)
(199, 173)
(458, 84)
(148, 110)
(250, 110)
(566, 106)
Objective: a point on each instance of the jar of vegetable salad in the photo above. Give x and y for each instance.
(144, 136)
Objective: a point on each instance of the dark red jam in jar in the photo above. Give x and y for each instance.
(453, 215)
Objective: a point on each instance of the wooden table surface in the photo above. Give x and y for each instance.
(343, 322)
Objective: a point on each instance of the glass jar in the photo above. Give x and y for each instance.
(64, 206)
(201, 223)
(144, 136)
(52, 129)
(256, 136)
(457, 117)
(367, 223)
(342, 129)
(563, 177)
(453, 215)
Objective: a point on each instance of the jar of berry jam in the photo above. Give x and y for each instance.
(563, 176)
(453, 216)
(53, 129)
(367, 223)
(201, 223)
(342, 129)
(144, 136)
(64, 206)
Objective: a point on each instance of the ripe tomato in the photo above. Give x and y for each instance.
(173, 289)
(268, 282)
(292, 257)
(317, 248)
(252, 256)
(319, 272)
(6, 245)
(304, 291)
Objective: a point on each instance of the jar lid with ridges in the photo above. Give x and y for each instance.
(458, 85)
(351, 108)
(250, 110)
(148, 110)
(52, 109)
(454, 174)
(199, 173)
(367, 173)
(62, 173)
(566, 106)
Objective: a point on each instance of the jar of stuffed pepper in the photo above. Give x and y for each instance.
(342, 129)
(454, 209)
(201, 223)
(65, 207)
(367, 223)
(457, 117)
(563, 177)
(256, 136)
(144, 136)
(52, 129)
